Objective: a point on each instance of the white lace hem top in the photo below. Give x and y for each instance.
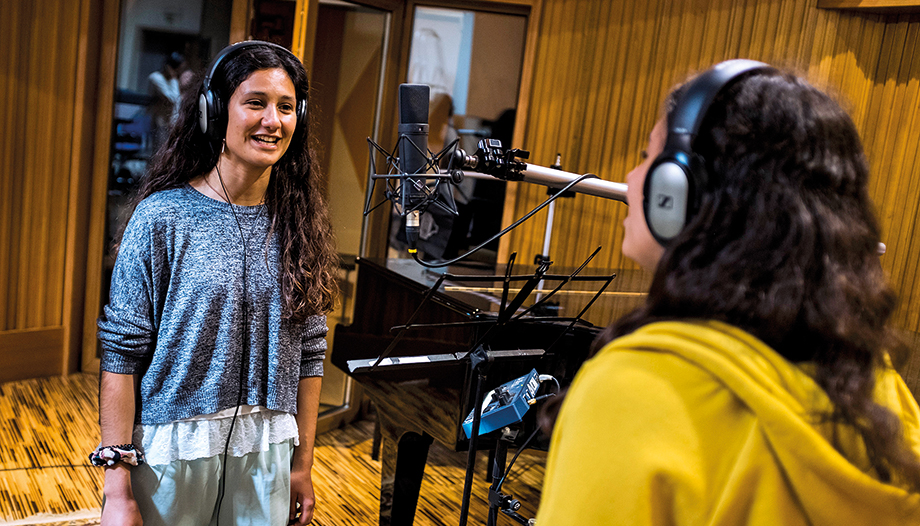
(205, 436)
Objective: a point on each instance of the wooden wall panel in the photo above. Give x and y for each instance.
(47, 86)
(29, 353)
(602, 69)
(38, 117)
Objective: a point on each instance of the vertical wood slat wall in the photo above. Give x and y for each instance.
(602, 69)
(43, 86)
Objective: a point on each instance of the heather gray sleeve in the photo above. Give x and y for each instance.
(126, 328)
(314, 346)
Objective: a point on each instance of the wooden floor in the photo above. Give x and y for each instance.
(47, 427)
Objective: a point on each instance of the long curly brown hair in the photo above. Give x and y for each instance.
(785, 246)
(295, 196)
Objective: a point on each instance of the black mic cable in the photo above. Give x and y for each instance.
(544, 204)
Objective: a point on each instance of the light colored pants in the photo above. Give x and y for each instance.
(186, 492)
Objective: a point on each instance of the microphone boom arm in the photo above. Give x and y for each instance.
(490, 161)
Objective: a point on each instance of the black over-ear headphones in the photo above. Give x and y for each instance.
(677, 177)
(212, 117)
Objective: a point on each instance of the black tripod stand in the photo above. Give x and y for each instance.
(498, 501)
(480, 360)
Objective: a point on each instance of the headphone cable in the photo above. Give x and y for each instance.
(245, 343)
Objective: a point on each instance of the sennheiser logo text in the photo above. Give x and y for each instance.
(665, 201)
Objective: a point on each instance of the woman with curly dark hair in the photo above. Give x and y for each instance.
(754, 385)
(214, 335)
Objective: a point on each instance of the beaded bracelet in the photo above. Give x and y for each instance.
(110, 455)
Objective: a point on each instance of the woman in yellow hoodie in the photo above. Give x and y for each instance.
(753, 386)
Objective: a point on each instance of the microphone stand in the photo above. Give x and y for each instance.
(550, 218)
(547, 240)
(480, 360)
(500, 502)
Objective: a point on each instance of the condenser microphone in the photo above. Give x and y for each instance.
(413, 154)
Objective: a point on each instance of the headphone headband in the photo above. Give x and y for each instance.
(677, 177)
(232, 49)
(690, 110)
(211, 108)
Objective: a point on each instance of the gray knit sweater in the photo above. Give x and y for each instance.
(176, 311)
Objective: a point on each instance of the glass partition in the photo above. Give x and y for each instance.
(471, 61)
(160, 45)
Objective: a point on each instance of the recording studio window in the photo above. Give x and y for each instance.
(160, 44)
(471, 60)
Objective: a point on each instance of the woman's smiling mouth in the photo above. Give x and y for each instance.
(266, 139)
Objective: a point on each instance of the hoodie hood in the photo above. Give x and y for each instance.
(833, 486)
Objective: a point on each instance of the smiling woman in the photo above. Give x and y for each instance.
(217, 313)
(260, 123)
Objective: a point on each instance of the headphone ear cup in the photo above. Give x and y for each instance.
(203, 113)
(674, 184)
(667, 198)
(301, 113)
(210, 115)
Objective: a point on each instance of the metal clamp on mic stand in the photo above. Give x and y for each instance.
(492, 160)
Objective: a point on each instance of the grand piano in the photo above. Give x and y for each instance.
(410, 342)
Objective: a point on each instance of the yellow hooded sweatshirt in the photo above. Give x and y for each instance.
(700, 423)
